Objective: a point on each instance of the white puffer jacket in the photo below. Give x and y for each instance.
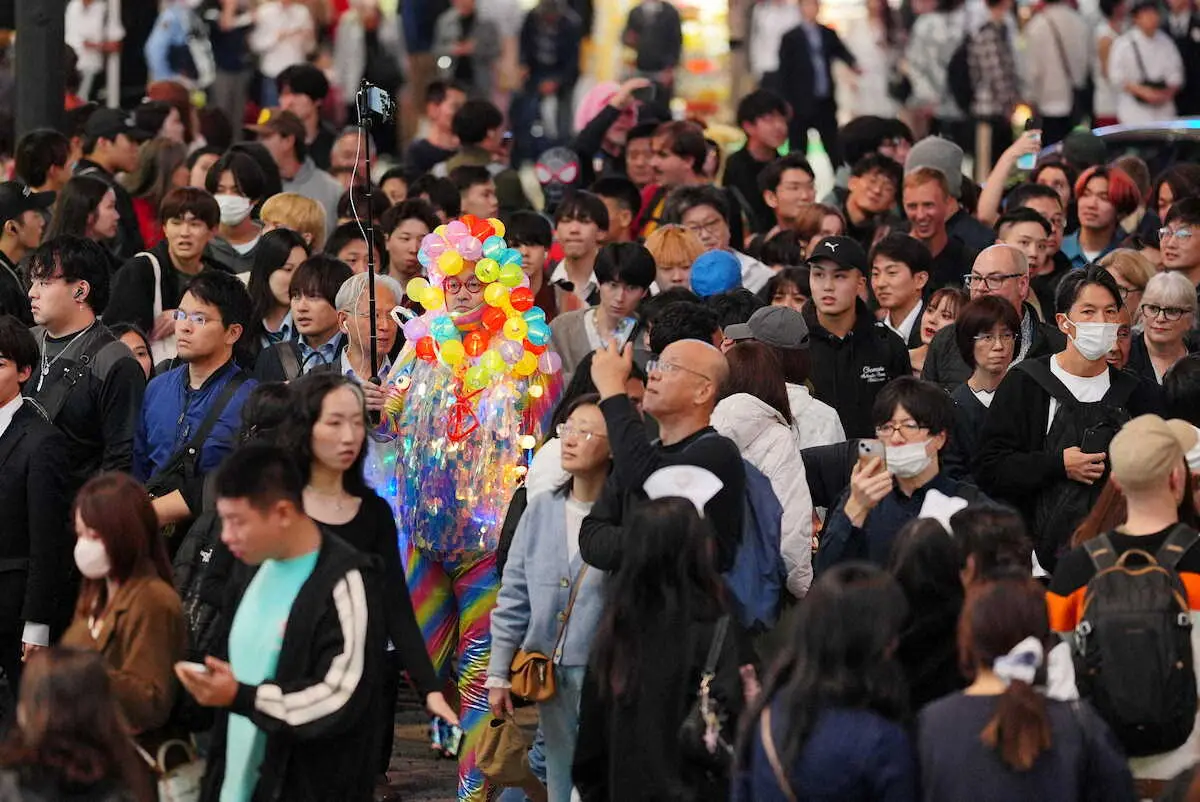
(768, 443)
(815, 422)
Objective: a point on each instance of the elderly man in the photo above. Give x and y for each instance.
(1001, 270)
(681, 392)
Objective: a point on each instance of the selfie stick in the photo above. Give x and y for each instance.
(365, 118)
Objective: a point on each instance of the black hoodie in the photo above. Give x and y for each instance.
(847, 373)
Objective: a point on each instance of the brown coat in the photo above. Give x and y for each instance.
(141, 635)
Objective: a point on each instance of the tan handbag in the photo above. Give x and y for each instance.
(532, 673)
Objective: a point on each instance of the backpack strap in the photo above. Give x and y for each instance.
(1040, 372)
(1102, 553)
(289, 360)
(1177, 544)
(1121, 389)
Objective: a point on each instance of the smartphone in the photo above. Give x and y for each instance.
(646, 95)
(869, 449)
(1096, 439)
(1029, 160)
(195, 668)
(449, 736)
(624, 331)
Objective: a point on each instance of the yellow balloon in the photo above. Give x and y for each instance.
(526, 365)
(453, 352)
(497, 226)
(416, 288)
(494, 294)
(440, 230)
(450, 263)
(515, 328)
(433, 298)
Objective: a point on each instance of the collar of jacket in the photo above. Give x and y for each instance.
(126, 597)
(864, 322)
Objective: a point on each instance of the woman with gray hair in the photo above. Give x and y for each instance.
(1168, 317)
(354, 319)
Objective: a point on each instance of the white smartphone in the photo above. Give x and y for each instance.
(869, 449)
(195, 668)
(624, 331)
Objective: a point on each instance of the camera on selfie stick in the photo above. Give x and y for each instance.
(374, 107)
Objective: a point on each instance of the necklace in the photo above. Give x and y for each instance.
(47, 364)
(339, 496)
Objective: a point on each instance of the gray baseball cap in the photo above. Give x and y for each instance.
(777, 326)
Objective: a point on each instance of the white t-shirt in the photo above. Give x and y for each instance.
(1087, 390)
(576, 512)
(282, 36)
(88, 24)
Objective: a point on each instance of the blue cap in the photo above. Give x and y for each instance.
(716, 272)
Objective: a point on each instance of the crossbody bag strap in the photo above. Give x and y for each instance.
(289, 360)
(1137, 54)
(768, 742)
(562, 627)
(157, 268)
(196, 442)
(714, 649)
(1062, 51)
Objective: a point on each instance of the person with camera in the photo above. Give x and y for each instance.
(1145, 68)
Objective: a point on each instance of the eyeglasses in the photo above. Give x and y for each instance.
(1168, 312)
(712, 227)
(1002, 338)
(992, 282)
(656, 366)
(1124, 291)
(906, 428)
(196, 318)
(1183, 233)
(564, 431)
(453, 286)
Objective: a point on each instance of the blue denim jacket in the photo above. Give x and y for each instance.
(536, 587)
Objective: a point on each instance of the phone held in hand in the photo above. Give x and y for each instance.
(447, 736)
(869, 449)
(624, 331)
(1029, 160)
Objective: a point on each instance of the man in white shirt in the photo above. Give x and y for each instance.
(92, 33)
(703, 210)
(899, 272)
(284, 34)
(1145, 69)
(580, 223)
(1058, 51)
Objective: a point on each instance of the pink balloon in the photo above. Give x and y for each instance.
(549, 362)
(470, 249)
(415, 329)
(434, 245)
(511, 350)
(456, 228)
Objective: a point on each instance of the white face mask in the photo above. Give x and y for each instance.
(92, 558)
(908, 460)
(234, 209)
(1093, 341)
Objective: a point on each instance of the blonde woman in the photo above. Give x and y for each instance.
(1132, 271)
(674, 249)
(303, 215)
(1168, 312)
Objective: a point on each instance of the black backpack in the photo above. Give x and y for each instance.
(1060, 507)
(1133, 647)
(958, 76)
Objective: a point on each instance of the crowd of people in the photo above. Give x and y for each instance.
(904, 473)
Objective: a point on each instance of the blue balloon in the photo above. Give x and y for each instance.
(536, 313)
(539, 333)
(442, 328)
(423, 258)
(511, 256)
(493, 247)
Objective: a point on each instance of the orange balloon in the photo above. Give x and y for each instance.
(493, 318)
(521, 299)
(536, 350)
(481, 230)
(476, 342)
(425, 350)
(469, 220)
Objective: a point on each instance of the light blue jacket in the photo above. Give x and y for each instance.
(536, 588)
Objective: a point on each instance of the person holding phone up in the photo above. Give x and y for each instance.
(894, 473)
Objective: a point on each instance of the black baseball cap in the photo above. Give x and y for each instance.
(111, 123)
(842, 251)
(16, 198)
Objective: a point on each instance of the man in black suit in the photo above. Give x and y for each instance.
(805, 78)
(1183, 25)
(36, 589)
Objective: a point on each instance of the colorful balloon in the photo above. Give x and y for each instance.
(475, 377)
(450, 263)
(443, 329)
(510, 275)
(425, 349)
(521, 299)
(511, 256)
(453, 353)
(433, 244)
(510, 350)
(493, 319)
(487, 270)
(549, 362)
(536, 350)
(494, 294)
(416, 288)
(415, 329)
(492, 362)
(455, 229)
(470, 249)
(526, 365)
(537, 313)
(433, 298)
(497, 226)
(539, 332)
(493, 247)
(515, 328)
(475, 343)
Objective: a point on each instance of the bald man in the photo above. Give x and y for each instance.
(1001, 270)
(681, 392)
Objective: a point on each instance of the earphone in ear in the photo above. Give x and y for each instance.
(345, 328)
(78, 294)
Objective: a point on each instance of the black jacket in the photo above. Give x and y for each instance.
(1139, 357)
(974, 234)
(129, 236)
(796, 79)
(96, 403)
(959, 454)
(847, 373)
(132, 298)
(36, 536)
(945, 365)
(1187, 102)
(635, 457)
(316, 711)
(658, 37)
(282, 362)
(14, 300)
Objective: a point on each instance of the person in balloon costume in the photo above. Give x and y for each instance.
(468, 399)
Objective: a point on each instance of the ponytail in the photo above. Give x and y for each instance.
(1020, 729)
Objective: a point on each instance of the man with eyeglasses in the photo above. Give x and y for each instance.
(192, 413)
(913, 419)
(853, 355)
(1001, 270)
(1179, 240)
(681, 393)
(705, 211)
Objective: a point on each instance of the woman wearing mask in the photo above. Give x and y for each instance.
(1000, 738)
(127, 610)
(1168, 317)
(940, 312)
(276, 258)
(637, 693)
(987, 334)
(327, 434)
(86, 207)
(831, 714)
(70, 743)
(527, 610)
(755, 414)
(162, 167)
(238, 184)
